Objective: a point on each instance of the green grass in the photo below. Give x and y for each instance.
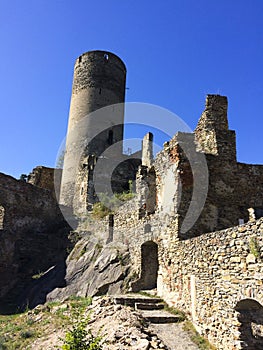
(196, 338)
(174, 311)
(19, 331)
(80, 303)
(148, 295)
(167, 308)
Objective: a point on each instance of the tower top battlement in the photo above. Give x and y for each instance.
(99, 70)
(104, 56)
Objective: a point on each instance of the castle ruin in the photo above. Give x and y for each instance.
(194, 226)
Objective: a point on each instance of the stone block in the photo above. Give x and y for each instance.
(250, 259)
(235, 259)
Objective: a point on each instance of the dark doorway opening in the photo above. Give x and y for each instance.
(149, 265)
(251, 324)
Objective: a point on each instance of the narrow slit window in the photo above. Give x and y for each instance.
(110, 137)
(2, 216)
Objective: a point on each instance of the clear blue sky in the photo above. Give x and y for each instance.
(176, 51)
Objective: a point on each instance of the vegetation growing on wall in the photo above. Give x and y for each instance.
(254, 247)
(109, 204)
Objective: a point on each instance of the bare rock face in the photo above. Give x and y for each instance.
(92, 269)
(33, 244)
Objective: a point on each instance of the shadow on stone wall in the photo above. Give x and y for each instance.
(41, 267)
(251, 324)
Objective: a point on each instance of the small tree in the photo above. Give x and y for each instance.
(23, 177)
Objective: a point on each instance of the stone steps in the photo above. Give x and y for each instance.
(149, 306)
(131, 300)
(160, 316)
(151, 309)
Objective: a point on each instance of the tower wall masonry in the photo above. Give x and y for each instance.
(98, 82)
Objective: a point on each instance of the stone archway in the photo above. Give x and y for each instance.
(251, 324)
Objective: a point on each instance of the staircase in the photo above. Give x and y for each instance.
(151, 309)
(168, 327)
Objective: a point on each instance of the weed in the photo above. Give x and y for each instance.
(74, 237)
(196, 338)
(51, 304)
(100, 210)
(122, 259)
(26, 334)
(83, 250)
(109, 204)
(78, 337)
(148, 295)
(80, 303)
(2, 344)
(254, 247)
(125, 196)
(38, 275)
(30, 321)
(174, 311)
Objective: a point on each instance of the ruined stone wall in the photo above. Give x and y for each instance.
(48, 178)
(26, 206)
(208, 275)
(33, 236)
(212, 132)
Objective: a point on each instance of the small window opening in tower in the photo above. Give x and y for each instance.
(2, 215)
(82, 190)
(100, 91)
(110, 137)
(80, 59)
(106, 57)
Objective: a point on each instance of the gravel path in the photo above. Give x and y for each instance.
(173, 336)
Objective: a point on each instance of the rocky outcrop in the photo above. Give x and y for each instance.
(93, 269)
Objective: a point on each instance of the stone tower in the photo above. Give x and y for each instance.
(95, 120)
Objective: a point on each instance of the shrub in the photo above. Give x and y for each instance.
(79, 338)
(109, 204)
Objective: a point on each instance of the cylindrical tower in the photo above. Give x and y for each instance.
(99, 81)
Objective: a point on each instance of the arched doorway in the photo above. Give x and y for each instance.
(149, 267)
(251, 319)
